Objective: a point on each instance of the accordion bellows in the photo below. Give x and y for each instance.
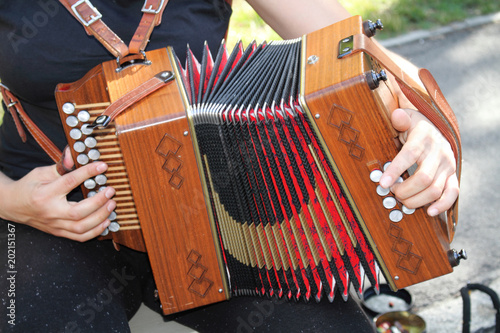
(255, 172)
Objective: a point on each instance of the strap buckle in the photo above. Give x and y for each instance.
(150, 9)
(92, 17)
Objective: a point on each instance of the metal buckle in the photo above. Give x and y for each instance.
(92, 19)
(150, 9)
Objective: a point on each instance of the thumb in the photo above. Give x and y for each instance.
(401, 120)
(66, 163)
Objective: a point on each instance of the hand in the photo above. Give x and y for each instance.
(435, 181)
(39, 200)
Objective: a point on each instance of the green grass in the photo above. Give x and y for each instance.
(398, 16)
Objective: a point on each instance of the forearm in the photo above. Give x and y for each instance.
(294, 18)
(5, 195)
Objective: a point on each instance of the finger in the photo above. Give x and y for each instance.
(450, 195)
(79, 210)
(66, 163)
(406, 158)
(429, 194)
(423, 178)
(87, 226)
(85, 236)
(405, 121)
(71, 180)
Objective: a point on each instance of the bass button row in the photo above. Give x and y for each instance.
(80, 146)
(84, 159)
(91, 184)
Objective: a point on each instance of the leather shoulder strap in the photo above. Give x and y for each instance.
(153, 11)
(91, 19)
(17, 112)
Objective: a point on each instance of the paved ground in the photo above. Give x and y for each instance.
(466, 64)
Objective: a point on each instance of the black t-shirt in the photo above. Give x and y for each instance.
(42, 45)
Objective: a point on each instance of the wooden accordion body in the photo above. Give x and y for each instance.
(338, 229)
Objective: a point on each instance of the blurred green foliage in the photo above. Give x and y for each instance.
(398, 16)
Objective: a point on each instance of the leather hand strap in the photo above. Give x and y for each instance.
(133, 96)
(91, 19)
(431, 103)
(17, 111)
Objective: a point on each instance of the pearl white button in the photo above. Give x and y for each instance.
(68, 108)
(408, 211)
(396, 216)
(375, 176)
(389, 202)
(114, 226)
(383, 191)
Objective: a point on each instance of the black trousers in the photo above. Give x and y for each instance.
(51, 284)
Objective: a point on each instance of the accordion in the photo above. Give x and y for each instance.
(256, 172)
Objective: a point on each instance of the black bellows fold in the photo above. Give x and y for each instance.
(268, 180)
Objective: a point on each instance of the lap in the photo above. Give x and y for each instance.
(65, 286)
(59, 285)
(258, 314)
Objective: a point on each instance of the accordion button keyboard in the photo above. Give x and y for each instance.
(68, 108)
(101, 179)
(82, 159)
(79, 147)
(94, 154)
(83, 116)
(389, 202)
(396, 216)
(114, 227)
(90, 184)
(112, 216)
(86, 129)
(90, 142)
(72, 121)
(375, 175)
(91, 194)
(105, 232)
(408, 211)
(75, 134)
(383, 191)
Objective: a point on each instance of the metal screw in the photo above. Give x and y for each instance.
(220, 291)
(186, 133)
(396, 277)
(317, 116)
